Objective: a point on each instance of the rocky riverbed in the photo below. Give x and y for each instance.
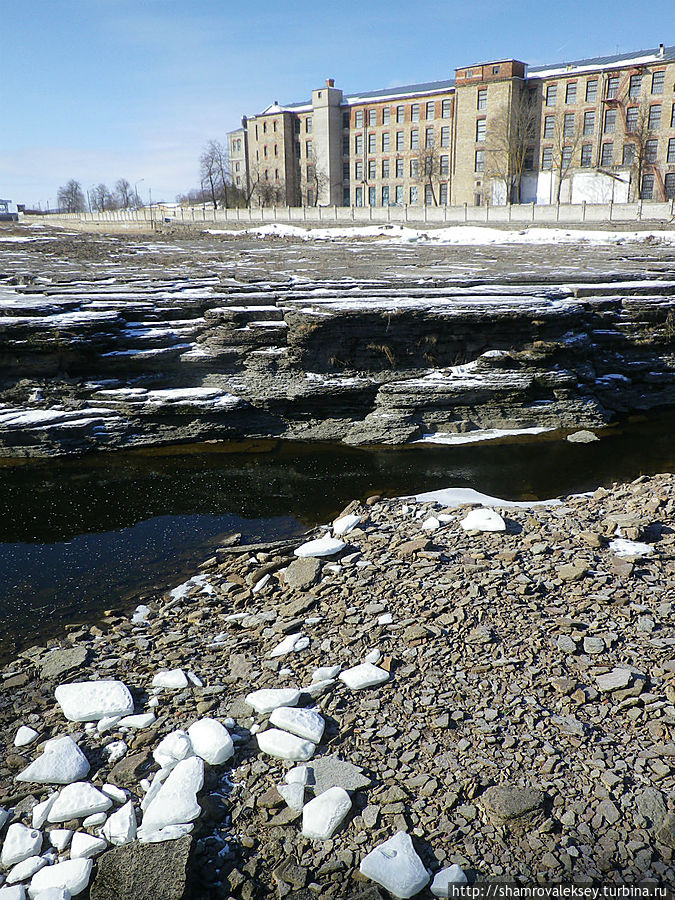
(486, 689)
(130, 341)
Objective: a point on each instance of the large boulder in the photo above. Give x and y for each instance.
(144, 872)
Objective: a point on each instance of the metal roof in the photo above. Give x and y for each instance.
(600, 61)
(648, 55)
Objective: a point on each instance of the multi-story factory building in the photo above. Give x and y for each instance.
(594, 130)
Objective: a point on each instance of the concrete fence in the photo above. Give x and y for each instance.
(520, 214)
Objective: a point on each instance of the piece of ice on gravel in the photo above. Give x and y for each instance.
(431, 524)
(324, 673)
(211, 741)
(305, 723)
(94, 819)
(168, 833)
(20, 843)
(13, 892)
(40, 811)
(298, 774)
(54, 893)
(116, 794)
(294, 643)
(322, 816)
(363, 676)
(325, 546)
(283, 745)
(141, 720)
(267, 699)
(442, 885)
(121, 826)
(396, 866)
(24, 736)
(627, 549)
(172, 749)
(89, 701)
(60, 837)
(373, 657)
(26, 869)
(483, 520)
(293, 794)
(115, 750)
(86, 846)
(107, 723)
(61, 762)
(176, 801)
(73, 874)
(345, 524)
(78, 800)
(173, 679)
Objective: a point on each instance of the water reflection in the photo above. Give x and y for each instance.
(77, 536)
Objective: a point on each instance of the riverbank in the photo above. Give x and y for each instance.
(366, 339)
(522, 727)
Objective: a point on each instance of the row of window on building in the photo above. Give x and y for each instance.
(658, 83)
(385, 141)
(374, 117)
(607, 156)
(396, 195)
(442, 164)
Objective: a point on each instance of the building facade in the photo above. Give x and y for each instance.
(594, 130)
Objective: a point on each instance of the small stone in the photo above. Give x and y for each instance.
(614, 680)
(58, 662)
(504, 802)
(330, 771)
(302, 573)
(322, 816)
(566, 644)
(593, 645)
(582, 437)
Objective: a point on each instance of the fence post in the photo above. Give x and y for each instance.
(335, 211)
(557, 212)
(406, 212)
(533, 205)
(611, 207)
(640, 211)
(583, 210)
(466, 213)
(304, 213)
(510, 210)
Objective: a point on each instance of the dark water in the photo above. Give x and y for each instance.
(79, 536)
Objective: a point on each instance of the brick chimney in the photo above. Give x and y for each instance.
(330, 82)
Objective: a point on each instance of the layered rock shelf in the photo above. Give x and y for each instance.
(465, 690)
(136, 343)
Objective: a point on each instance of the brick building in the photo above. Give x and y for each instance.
(594, 130)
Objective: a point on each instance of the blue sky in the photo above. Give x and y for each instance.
(102, 89)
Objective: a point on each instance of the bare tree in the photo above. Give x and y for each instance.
(426, 170)
(567, 135)
(101, 198)
(635, 117)
(269, 193)
(512, 131)
(214, 172)
(124, 194)
(70, 197)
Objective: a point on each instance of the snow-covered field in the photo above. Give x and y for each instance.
(469, 235)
